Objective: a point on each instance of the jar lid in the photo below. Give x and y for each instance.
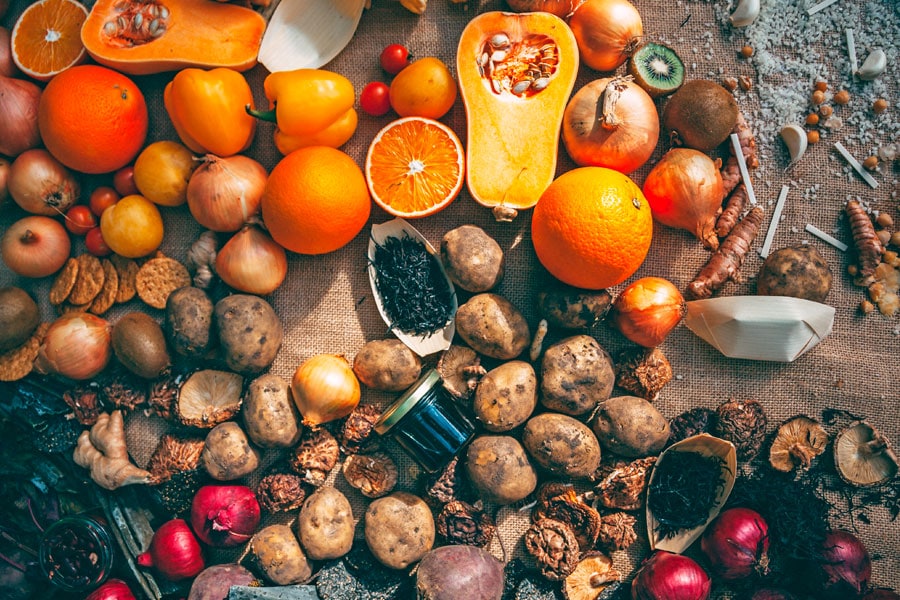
(405, 402)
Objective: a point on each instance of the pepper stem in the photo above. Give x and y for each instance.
(264, 115)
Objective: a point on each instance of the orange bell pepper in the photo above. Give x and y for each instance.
(311, 107)
(207, 110)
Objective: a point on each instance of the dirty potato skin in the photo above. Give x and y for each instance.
(270, 415)
(399, 529)
(189, 322)
(576, 375)
(506, 396)
(492, 326)
(325, 524)
(798, 271)
(573, 308)
(631, 427)
(387, 365)
(562, 445)
(499, 469)
(249, 331)
(473, 259)
(278, 553)
(227, 453)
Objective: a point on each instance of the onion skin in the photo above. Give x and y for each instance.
(252, 262)
(667, 576)
(607, 31)
(325, 389)
(19, 101)
(685, 191)
(736, 544)
(8, 66)
(174, 551)
(225, 193)
(4, 180)
(77, 346)
(41, 185)
(114, 589)
(844, 566)
(648, 310)
(35, 246)
(224, 515)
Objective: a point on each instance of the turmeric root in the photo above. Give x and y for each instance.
(731, 172)
(725, 263)
(102, 450)
(868, 246)
(736, 204)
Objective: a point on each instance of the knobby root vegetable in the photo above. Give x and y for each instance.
(102, 450)
(868, 247)
(725, 263)
(731, 172)
(735, 205)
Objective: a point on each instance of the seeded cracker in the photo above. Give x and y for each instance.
(18, 362)
(67, 307)
(89, 282)
(126, 269)
(64, 282)
(159, 277)
(107, 296)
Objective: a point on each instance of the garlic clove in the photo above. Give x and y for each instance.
(795, 139)
(873, 66)
(745, 13)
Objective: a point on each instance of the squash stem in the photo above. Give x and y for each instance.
(264, 115)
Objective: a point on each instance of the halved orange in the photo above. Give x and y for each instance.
(415, 167)
(46, 38)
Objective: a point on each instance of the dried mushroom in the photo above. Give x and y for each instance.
(622, 485)
(567, 507)
(209, 397)
(643, 372)
(163, 393)
(174, 455)
(84, 400)
(593, 573)
(553, 545)
(461, 523)
(863, 456)
(374, 475)
(448, 485)
(280, 492)
(743, 423)
(617, 531)
(690, 423)
(460, 369)
(798, 441)
(356, 432)
(315, 456)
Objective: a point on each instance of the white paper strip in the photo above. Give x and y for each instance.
(856, 165)
(773, 224)
(820, 6)
(851, 51)
(742, 164)
(824, 236)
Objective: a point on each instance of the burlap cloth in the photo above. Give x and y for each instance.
(326, 302)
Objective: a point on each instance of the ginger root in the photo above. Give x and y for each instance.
(102, 450)
(731, 172)
(729, 216)
(868, 246)
(725, 263)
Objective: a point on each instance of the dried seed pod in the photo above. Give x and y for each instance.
(593, 574)
(448, 485)
(582, 519)
(743, 423)
(690, 423)
(617, 531)
(173, 455)
(163, 393)
(374, 475)
(356, 432)
(315, 456)
(553, 545)
(643, 372)
(798, 441)
(461, 523)
(622, 485)
(281, 492)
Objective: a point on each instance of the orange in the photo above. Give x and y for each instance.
(93, 119)
(46, 38)
(592, 228)
(415, 167)
(315, 200)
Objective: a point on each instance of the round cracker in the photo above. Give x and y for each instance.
(159, 277)
(107, 296)
(90, 280)
(67, 307)
(19, 362)
(126, 270)
(64, 282)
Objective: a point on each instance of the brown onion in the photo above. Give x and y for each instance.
(4, 180)
(647, 310)
(224, 193)
(607, 32)
(251, 261)
(8, 66)
(325, 388)
(685, 191)
(41, 185)
(19, 101)
(76, 345)
(35, 246)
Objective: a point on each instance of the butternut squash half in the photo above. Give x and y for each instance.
(140, 37)
(515, 72)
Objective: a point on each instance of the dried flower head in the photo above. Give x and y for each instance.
(84, 400)
(743, 423)
(163, 393)
(554, 547)
(374, 475)
(356, 432)
(315, 456)
(643, 372)
(121, 389)
(173, 455)
(280, 492)
(622, 485)
(462, 523)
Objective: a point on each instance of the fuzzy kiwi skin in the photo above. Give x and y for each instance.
(700, 115)
(19, 317)
(140, 345)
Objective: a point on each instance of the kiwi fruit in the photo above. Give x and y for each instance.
(19, 317)
(140, 345)
(656, 68)
(700, 115)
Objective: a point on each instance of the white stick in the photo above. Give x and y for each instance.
(742, 164)
(773, 224)
(851, 50)
(821, 5)
(824, 236)
(855, 164)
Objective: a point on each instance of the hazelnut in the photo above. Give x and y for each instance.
(870, 163)
(812, 119)
(826, 111)
(884, 236)
(821, 86)
(818, 97)
(747, 51)
(895, 238)
(879, 106)
(842, 97)
(812, 137)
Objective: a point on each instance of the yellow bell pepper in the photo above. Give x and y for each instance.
(311, 107)
(207, 110)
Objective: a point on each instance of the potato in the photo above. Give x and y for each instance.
(492, 326)
(270, 415)
(399, 529)
(573, 308)
(506, 396)
(279, 555)
(576, 375)
(499, 469)
(630, 426)
(387, 365)
(249, 332)
(798, 271)
(189, 320)
(473, 259)
(227, 453)
(140, 345)
(561, 444)
(325, 525)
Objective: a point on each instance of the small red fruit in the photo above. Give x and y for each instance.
(375, 98)
(394, 58)
(79, 219)
(95, 243)
(102, 198)
(123, 181)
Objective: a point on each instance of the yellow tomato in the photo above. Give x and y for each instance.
(425, 88)
(162, 171)
(132, 227)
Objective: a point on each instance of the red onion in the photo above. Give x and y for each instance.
(844, 565)
(736, 544)
(772, 594)
(667, 576)
(224, 515)
(114, 589)
(174, 551)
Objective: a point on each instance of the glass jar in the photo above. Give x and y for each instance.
(76, 553)
(427, 423)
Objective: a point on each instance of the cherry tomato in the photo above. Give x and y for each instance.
(95, 243)
(123, 181)
(79, 219)
(102, 198)
(394, 58)
(375, 98)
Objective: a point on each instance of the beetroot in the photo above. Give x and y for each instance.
(454, 572)
(214, 582)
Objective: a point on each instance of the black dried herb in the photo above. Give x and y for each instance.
(414, 292)
(684, 489)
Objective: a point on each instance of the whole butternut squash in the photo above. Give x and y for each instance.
(515, 74)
